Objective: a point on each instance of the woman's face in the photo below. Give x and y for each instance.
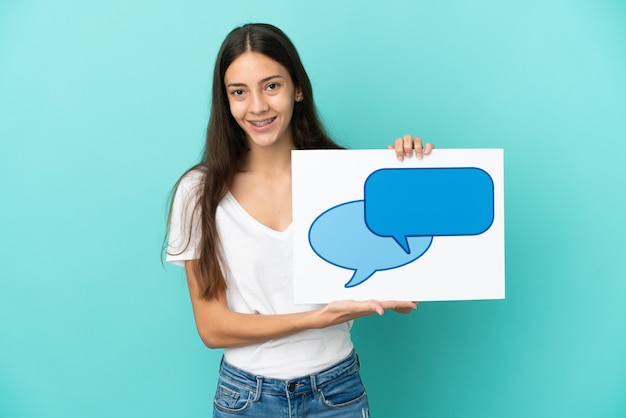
(261, 96)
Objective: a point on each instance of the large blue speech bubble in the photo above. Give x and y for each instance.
(410, 202)
(340, 237)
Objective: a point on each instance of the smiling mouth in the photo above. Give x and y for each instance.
(262, 123)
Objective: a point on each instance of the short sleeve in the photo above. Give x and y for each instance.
(185, 232)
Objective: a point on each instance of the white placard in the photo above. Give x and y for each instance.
(367, 226)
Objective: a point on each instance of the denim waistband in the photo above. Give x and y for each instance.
(297, 386)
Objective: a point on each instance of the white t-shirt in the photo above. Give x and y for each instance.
(259, 281)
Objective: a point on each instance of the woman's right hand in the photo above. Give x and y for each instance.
(346, 310)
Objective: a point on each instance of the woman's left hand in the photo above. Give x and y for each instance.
(405, 146)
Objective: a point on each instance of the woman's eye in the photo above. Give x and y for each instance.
(236, 92)
(272, 86)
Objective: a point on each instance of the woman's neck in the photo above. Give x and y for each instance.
(275, 160)
(263, 187)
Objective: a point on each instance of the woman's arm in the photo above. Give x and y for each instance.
(221, 327)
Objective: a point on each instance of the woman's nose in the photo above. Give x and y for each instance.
(258, 104)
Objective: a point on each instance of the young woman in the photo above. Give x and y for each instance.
(230, 228)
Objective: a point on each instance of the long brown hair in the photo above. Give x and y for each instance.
(226, 145)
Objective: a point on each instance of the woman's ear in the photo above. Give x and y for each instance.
(299, 95)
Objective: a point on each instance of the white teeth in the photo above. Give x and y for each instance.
(260, 124)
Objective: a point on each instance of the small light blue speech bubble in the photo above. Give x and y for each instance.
(340, 237)
(409, 202)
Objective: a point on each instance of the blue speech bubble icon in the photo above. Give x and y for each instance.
(340, 236)
(411, 202)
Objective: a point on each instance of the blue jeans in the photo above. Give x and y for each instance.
(334, 392)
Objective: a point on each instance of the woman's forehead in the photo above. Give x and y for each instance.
(253, 67)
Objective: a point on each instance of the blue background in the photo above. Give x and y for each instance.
(104, 104)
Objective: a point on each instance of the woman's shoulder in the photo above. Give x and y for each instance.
(193, 175)
(192, 179)
(189, 186)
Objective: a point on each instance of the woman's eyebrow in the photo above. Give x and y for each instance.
(264, 80)
(236, 85)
